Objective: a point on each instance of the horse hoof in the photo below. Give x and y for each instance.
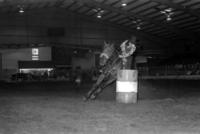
(92, 97)
(85, 98)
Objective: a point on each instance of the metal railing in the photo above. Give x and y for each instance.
(177, 69)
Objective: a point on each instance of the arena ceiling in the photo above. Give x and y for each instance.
(166, 19)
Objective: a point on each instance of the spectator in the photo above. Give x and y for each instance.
(78, 78)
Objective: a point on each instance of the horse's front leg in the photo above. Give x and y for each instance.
(94, 87)
(102, 87)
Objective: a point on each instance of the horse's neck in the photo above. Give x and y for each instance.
(113, 64)
(114, 56)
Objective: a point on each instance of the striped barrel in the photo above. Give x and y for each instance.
(127, 86)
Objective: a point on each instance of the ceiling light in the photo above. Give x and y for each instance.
(168, 13)
(99, 15)
(138, 27)
(169, 18)
(124, 4)
(138, 23)
(75, 52)
(99, 12)
(21, 10)
(168, 10)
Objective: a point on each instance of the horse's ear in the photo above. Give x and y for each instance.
(105, 44)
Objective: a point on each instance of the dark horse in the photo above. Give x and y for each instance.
(110, 63)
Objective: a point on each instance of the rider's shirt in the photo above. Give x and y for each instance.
(127, 49)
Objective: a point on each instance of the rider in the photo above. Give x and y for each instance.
(128, 47)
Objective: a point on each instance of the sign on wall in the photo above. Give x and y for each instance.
(35, 54)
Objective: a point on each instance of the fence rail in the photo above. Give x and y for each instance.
(167, 70)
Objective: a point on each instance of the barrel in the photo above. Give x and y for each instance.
(127, 86)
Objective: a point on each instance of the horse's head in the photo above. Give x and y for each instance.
(107, 52)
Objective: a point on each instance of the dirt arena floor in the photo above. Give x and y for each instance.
(56, 108)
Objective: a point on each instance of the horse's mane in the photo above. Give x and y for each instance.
(113, 59)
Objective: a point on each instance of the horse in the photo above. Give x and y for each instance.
(110, 62)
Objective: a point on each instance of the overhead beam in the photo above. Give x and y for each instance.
(165, 26)
(147, 36)
(138, 6)
(178, 7)
(88, 2)
(59, 3)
